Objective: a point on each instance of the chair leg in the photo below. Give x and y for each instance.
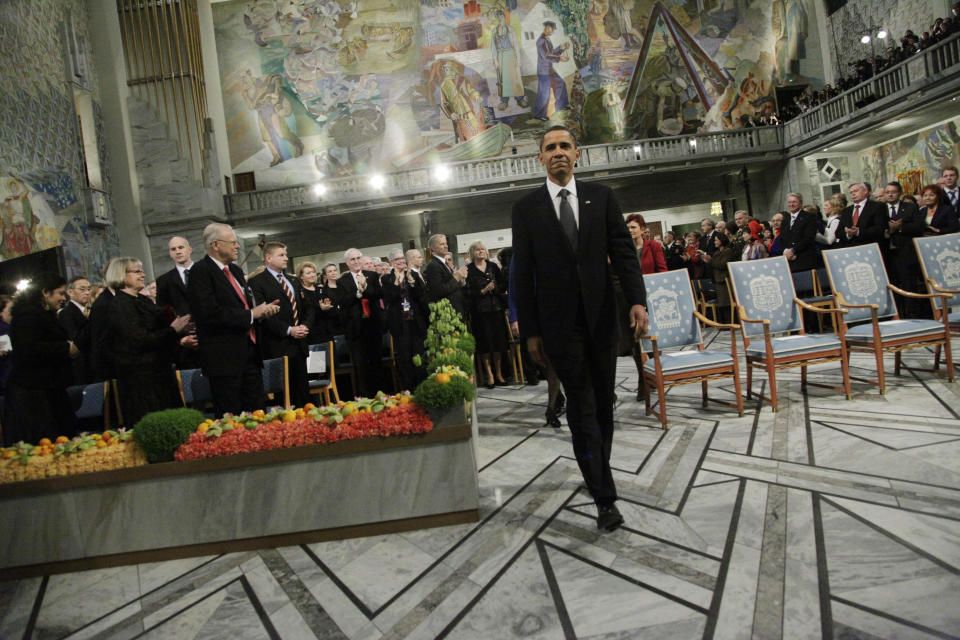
(772, 377)
(736, 389)
(646, 396)
(881, 378)
(662, 397)
(896, 363)
(948, 354)
(749, 380)
(703, 393)
(803, 377)
(936, 357)
(845, 370)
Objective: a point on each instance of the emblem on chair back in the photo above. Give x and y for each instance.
(764, 288)
(670, 308)
(858, 274)
(940, 259)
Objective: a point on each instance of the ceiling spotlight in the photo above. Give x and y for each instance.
(882, 34)
(319, 189)
(865, 39)
(441, 172)
(23, 284)
(377, 181)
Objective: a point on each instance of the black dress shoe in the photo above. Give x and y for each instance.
(608, 518)
(560, 406)
(490, 385)
(553, 418)
(532, 381)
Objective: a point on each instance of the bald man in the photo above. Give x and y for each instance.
(172, 285)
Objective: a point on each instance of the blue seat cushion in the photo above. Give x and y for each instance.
(793, 345)
(680, 361)
(894, 329)
(954, 319)
(319, 382)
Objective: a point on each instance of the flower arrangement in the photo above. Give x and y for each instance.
(64, 456)
(449, 350)
(381, 416)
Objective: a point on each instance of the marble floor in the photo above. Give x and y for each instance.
(828, 519)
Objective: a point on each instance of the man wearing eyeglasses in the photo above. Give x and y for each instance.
(73, 317)
(227, 323)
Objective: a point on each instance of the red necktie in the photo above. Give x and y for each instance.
(856, 214)
(289, 294)
(243, 299)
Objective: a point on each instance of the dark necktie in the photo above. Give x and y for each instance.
(893, 212)
(289, 294)
(567, 221)
(186, 277)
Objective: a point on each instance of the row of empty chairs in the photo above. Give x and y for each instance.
(861, 308)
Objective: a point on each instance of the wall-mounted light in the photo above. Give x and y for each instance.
(377, 181)
(319, 189)
(716, 208)
(441, 173)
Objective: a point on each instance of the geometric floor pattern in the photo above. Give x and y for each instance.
(828, 519)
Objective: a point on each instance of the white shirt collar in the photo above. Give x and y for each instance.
(219, 264)
(79, 306)
(861, 203)
(554, 189)
(275, 274)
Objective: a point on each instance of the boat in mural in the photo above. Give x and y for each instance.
(486, 144)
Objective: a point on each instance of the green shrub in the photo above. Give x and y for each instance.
(160, 433)
(467, 343)
(457, 359)
(443, 395)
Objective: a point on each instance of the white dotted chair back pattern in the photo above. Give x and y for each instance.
(858, 274)
(940, 261)
(670, 307)
(764, 288)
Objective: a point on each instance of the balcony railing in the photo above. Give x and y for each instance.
(476, 173)
(921, 69)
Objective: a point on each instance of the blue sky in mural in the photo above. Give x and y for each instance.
(57, 185)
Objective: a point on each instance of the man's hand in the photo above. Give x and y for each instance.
(299, 331)
(535, 349)
(74, 351)
(326, 305)
(487, 289)
(189, 341)
(789, 254)
(361, 282)
(460, 274)
(266, 309)
(895, 225)
(638, 320)
(852, 231)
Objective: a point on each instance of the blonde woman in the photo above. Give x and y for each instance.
(832, 208)
(485, 287)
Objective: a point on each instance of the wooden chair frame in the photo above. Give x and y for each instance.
(937, 313)
(662, 381)
(822, 304)
(331, 387)
(183, 396)
(350, 369)
(770, 363)
(701, 300)
(515, 352)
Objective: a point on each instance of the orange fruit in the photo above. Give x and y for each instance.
(442, 378)
(309, 406)
(404, 399)
(44, 442)
(289, 416)
(106, 436)
(8, 453)
(101, 443)
(259, 414)
(62, 439)
(300, 413)
(95, 436)
(203, 428)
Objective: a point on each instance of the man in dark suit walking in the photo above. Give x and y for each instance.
(359, 304)
(903, 266)
(798, 235)
(172, 292)
(405, 293)
(442, 281)
(564, 232)
(865, 220)
(226, 317)
(285, 334)
(73, 317)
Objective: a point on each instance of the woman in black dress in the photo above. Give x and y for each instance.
(312, 295)
(143, 344)
(36, 404)
(329, 317)
(485, 288)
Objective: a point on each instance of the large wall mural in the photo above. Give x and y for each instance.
(914, 160)
(344, 87)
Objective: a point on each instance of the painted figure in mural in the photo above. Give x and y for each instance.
(264, 95)
(789, 21)
(460, 102)
(506, 60)
(547, 78)
(613, 104)
(20, 226)
(620, 15)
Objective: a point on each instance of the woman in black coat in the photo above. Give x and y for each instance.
(485, 287)
(36, 405)
(143, 345)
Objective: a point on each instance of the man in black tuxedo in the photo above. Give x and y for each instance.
(73, 317)
(359, 304)
(948, 180)
(798, 235)
(226, 317)
(172, 292)
(903, 266)
(442, 280)
(564, 232)
(707, 245)
(865, 220)
(285, 334)
(672, 251)
(405, 293)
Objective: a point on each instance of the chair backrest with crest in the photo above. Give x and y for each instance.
(940, 261)
(764, 288)
(858, 274)
(670, 308)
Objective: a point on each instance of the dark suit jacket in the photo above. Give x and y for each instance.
(393, 297)
(673, 256)
(707, 244)
(172, 292)
(801, 236)
(945, 220)
(41, 355)
(266, 288)
(100, 357)
(77, 327)
(872, 223)
(223, 324)
(351, 307)
(441, 284)
(550, 281)
(914, 226)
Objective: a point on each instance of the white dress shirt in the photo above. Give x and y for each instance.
(554, 189)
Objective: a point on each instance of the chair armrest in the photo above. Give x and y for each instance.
(939, 289)
(911, 294)
(810, 307)
(707, 321)
(843, 302)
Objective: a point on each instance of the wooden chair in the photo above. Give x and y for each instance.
(195, 390)
(673, 323)
(771, 320)
(389, 358)
(344, 361)
(940, 263)
(90, 401)
(321, 372)
(859, 283)
(276, 382)
(705, 303)
(807, 287)
(514, 351)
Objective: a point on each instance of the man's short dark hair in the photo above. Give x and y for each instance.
(558, 127)
(551, 24)
(74, 280)
(270, 247)
(950, 168)
(896, 184)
